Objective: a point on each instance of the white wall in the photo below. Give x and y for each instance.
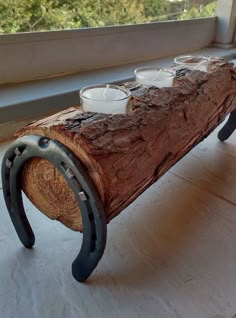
(226, 18)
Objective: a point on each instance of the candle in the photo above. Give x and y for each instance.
(192, 62)
(154, 76)
(107, 99)
(233, 61)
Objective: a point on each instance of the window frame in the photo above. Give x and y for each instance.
(33, 56)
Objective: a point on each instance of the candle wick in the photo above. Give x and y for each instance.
(157, 74)
(105, 90)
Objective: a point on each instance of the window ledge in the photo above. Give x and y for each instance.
(27, 101)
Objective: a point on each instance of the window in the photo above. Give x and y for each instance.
(44, 15)
(190, 9)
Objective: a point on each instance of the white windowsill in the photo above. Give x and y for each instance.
(24, 102)
(32, 56)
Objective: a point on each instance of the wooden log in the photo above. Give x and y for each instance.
(124, 154)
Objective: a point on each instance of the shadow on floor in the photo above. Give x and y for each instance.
(160, 233)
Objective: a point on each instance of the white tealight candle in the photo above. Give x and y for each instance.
(233, 61)
(193, 63)
(107, 99)
(154, 76)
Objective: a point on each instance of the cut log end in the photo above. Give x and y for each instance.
(44, 185)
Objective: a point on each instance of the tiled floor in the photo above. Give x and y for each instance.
(172, 253)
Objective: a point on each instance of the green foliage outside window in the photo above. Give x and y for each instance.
(41, 15)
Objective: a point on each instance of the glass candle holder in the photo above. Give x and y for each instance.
(192, 62)
(154, 76)
(105, 98)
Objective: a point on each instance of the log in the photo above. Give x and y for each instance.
(124, 154)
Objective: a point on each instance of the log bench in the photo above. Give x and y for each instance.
(83, 169)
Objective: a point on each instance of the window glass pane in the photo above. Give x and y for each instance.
(42, 15)
(197, 9)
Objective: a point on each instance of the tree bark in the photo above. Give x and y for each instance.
(124, 154)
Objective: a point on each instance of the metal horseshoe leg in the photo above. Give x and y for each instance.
(93, 217)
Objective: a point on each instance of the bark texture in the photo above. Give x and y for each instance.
(124, 154)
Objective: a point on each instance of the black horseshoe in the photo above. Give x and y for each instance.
(228, 128)
(93, 217)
